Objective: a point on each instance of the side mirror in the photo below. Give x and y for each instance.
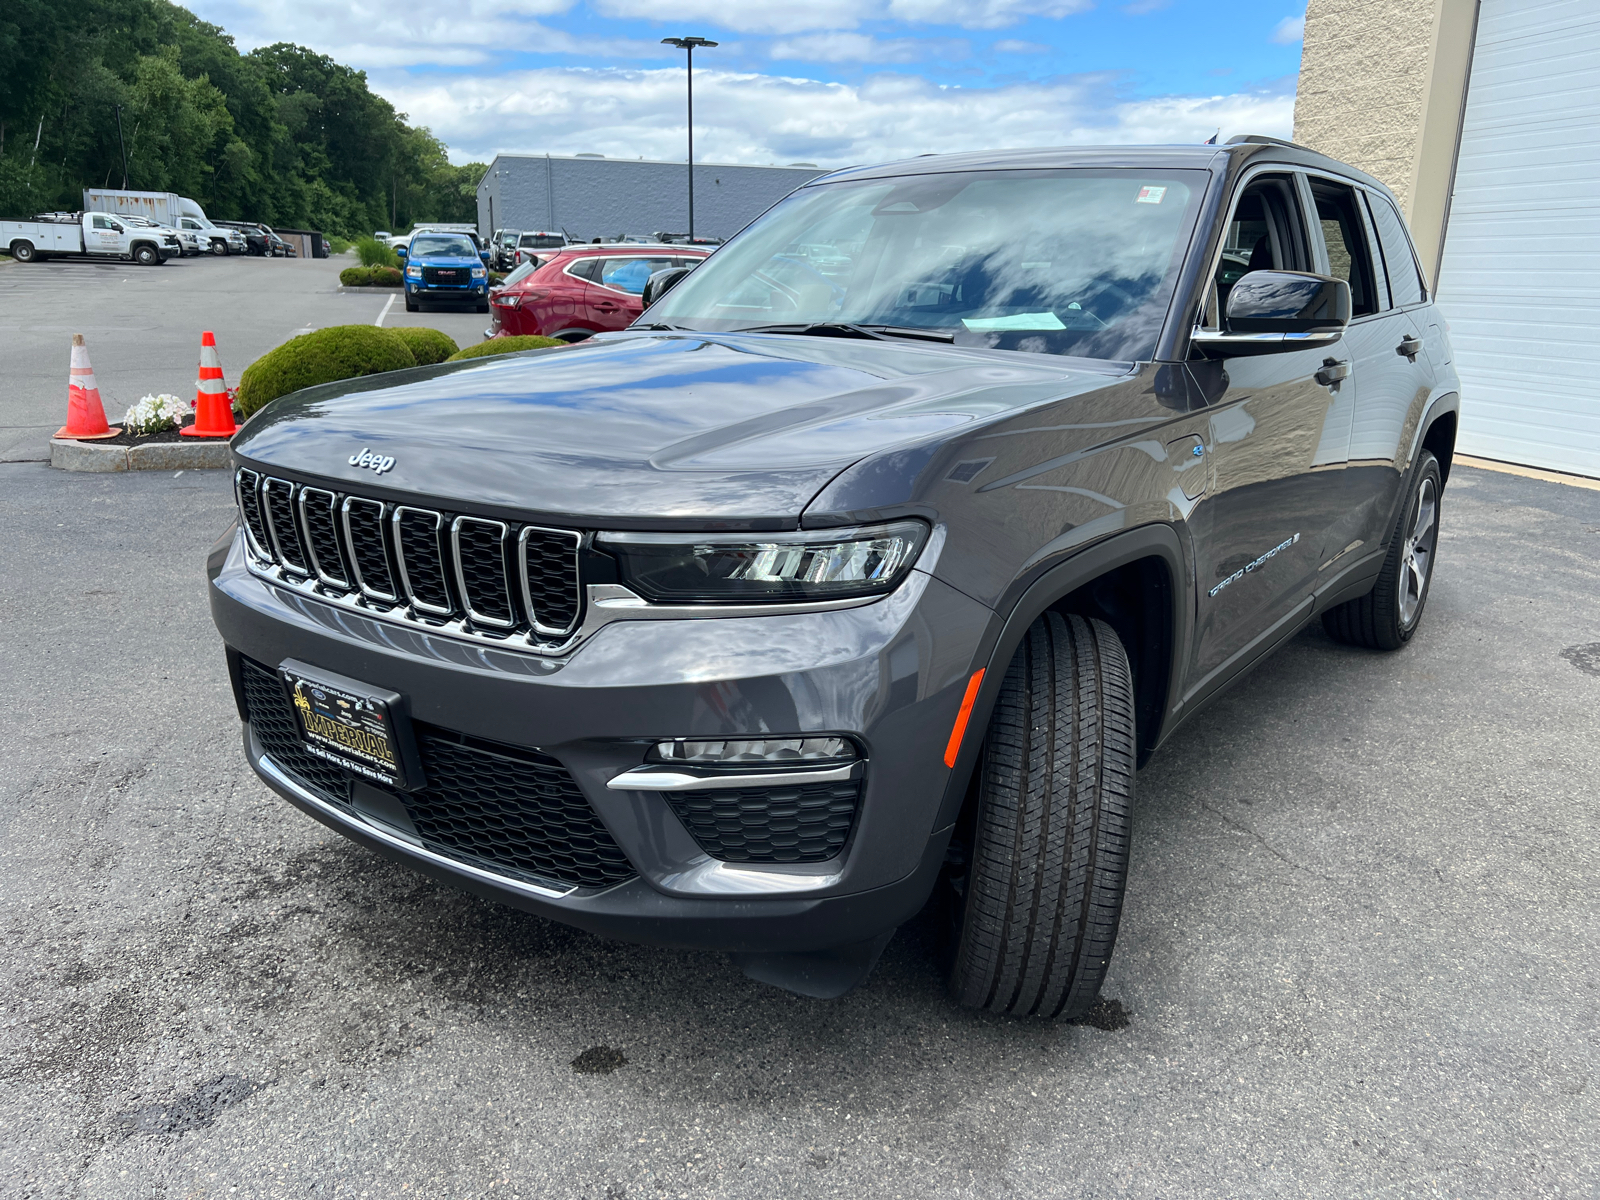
(662, 282)
(400, 250)
(483, 254)
(1273, 311)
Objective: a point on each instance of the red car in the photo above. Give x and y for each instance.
(577, 291)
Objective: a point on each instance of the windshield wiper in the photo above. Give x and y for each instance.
(876, 333)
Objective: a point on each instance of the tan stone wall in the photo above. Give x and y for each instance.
(1364, 82)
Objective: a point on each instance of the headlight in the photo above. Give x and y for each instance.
(413, 272)
(480, 272)
(816, 565)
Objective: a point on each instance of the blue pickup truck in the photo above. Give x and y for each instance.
(445, 266)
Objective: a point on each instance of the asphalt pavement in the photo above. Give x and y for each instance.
(1359, 956)
(143, 327)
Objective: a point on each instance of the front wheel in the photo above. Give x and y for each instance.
(146, 256)
(220, 249)
(1049, 841)
(1387, 616)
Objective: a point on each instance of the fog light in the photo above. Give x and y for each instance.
(756, 751)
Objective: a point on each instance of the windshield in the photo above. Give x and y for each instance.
(1078, 262)
(541, 241)
(455, 245)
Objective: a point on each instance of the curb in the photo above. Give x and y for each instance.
(69, 455)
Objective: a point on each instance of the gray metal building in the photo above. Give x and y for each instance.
(592, 197)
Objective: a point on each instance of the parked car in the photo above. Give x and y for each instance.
(755, 625)
(503, 249)
(168, 209)
(577, 291)
(537, 241)
(256, 239)
(188, 239)
(445, 266)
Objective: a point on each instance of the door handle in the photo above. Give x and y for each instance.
(606, 306)
(1410, 346)
(1332, 372)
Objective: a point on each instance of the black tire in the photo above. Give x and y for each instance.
(413, 306)
(24, 252)
(219, 248)
(1387, 616)
(484, 307)
(1049, 856)
(146, 255)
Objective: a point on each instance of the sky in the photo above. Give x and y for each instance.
(827, 82)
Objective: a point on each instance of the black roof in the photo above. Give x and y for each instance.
(1234, 154)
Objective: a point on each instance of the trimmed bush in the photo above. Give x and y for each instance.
(322, 356)
(504, 345)
(371, 277)
(428, 345)
(375, 253)
(356, 276)
(387, 277)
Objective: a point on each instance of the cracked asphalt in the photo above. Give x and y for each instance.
(1359, 955)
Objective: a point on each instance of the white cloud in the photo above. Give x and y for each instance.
(859, 47)
(757, 118)
(1013, 46)
(800, 16)
(983, 14)
(1289, 31)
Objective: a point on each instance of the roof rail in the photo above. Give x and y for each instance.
(1261, 139)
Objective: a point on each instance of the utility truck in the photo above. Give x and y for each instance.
(96, 234)
(167, 208)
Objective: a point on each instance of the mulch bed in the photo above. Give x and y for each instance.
(127, 439)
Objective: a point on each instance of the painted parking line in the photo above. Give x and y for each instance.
(1489, 464)
(387, 305)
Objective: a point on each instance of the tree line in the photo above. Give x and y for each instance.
(281, 135)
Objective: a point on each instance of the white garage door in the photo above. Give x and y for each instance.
(1520, 279)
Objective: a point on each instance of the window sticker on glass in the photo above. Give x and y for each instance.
(1044, 320)
(1150, 195)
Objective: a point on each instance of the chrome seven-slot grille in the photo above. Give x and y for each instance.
(495, 577)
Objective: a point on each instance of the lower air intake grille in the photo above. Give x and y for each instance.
(501, 809)
(507, 811)
(807, 823)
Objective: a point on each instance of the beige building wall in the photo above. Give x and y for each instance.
(1382, 87)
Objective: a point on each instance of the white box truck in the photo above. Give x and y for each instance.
(166, 208)
(53, 235)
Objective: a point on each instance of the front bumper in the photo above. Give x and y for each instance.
(890, 674)
(477, 290)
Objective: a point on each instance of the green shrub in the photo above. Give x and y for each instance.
(504, 345)
(356, 276)
(387, 277)
(337, 244)
(428, 345)
(322, 356)
(375, 253)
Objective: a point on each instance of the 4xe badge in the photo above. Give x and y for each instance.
(378, 463)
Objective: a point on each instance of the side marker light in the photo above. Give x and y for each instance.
(954, 748)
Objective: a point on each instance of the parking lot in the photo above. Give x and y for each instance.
(143, 327)
(1359, 955)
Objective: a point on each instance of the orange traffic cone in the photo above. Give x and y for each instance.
(86, 416)
(213, 411)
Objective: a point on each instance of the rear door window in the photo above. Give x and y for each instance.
(630, 274)
(1400, 263)
(1344, 234)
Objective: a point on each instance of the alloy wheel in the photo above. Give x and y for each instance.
(1416, 559)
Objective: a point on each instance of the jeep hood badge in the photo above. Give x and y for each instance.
(377, 463)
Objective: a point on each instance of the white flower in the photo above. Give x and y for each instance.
(153, 414)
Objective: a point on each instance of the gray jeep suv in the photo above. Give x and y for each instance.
(869, 564)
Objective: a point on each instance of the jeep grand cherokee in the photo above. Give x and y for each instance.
(874, 558)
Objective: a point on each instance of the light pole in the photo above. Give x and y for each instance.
(688, 44)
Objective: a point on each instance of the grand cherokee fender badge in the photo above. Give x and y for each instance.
(378, 463)
(1240, 573)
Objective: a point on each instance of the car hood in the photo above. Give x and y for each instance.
(646, 430)
(445, 260)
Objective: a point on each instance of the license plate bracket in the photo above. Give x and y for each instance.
(364, 729)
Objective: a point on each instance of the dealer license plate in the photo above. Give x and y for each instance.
(344, 725)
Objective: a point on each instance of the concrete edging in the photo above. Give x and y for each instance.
(69, 455)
